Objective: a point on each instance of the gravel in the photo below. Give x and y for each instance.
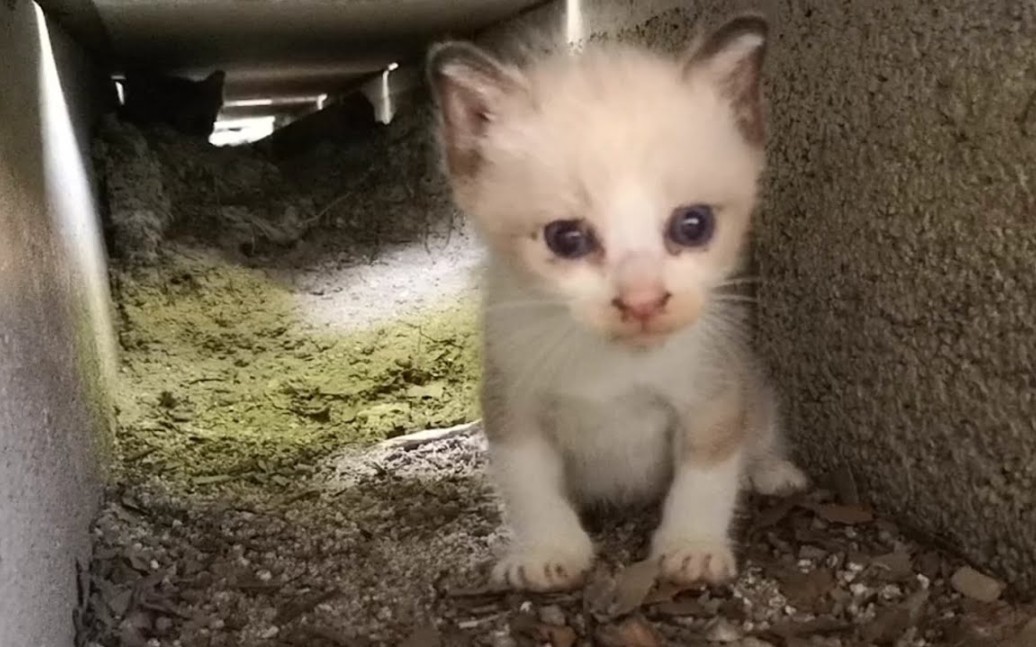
(394, 550)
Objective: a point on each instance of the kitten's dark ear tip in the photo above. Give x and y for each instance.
(747, 23)
(441, 55)
(743, 26)
(216, 78)
(748, 32)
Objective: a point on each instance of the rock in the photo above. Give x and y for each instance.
(977, 586)
(552, 615)
(721, 630)
(633, 632)
(502, 639)
(812, 553)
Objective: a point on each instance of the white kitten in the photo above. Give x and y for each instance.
(615, 189)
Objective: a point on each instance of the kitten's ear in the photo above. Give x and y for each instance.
(732, 57)
(215, 80)
(469, 86)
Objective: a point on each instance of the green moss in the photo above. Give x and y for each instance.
(223, 385)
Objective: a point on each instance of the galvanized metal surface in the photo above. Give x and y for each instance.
(55, 339)
(280, 48)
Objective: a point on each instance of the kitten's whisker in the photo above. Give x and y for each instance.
(525, 382)
(741, 280)
(563, 353)
(733, 297)
(511, 305)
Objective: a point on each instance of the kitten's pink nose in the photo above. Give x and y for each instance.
(642, 305)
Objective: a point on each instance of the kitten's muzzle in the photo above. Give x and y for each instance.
(642, 307)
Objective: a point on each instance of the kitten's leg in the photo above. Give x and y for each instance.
(550, 549)
(775, 475)
(769, 471)
(693, 543)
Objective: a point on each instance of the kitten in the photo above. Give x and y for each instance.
(614, 189)
(190, 107)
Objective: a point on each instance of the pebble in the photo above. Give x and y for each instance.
(552, 615)
(812, 553)
(721, 630)
(501, 639)
(976, 586)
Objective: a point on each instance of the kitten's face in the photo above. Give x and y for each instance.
(621, 183)
(190, 107)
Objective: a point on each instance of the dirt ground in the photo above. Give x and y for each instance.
(276, 348)
(393, 550)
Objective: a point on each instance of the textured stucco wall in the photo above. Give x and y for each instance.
(53, 336)
(899, 247)
(897, 243)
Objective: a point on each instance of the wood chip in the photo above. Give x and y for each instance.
(525, 624)
(896, 566)
(598, 594)
(632, 587)
(977, 586)
(120, 602)
(849, 515)
(557, 636)
(302, 606)
(688, 607)
(632, 632)
(426, 636)
(664, 592)
(818, 627)
(892, 622)
(774, 514)
(807, 591)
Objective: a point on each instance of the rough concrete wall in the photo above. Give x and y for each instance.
(897, 244)
(52, 336)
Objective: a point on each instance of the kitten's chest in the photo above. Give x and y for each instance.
(613, 415)
(614, 376)
(616, 450)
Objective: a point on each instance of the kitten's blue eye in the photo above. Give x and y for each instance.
(569, 238)
(691, 226)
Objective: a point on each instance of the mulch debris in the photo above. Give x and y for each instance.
(399, 555)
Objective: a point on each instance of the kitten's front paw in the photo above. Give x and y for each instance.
(545, 568)
(778, 478)
(693, 561)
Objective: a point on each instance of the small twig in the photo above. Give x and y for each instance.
(426, 436)
(331, 205)
(421, 333)
(303, 606)
(299, 496)
(490, 590)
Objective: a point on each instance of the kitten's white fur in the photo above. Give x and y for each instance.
(582, 406)
(609, 437)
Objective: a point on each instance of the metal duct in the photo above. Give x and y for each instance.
(280, 47)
